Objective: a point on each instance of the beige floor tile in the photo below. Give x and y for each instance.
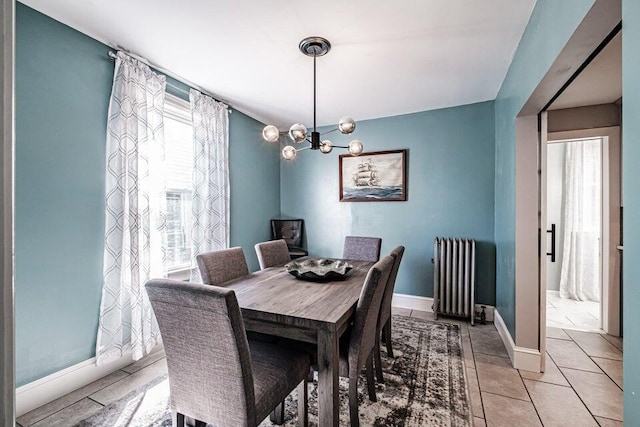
(501, 411)
(567, 354)
(467, 353)
(595, 345)
(601, 395)
(144, 376)
(144, 362)
(486, 340)
(479, 422)
(50, 408)
(584, 320)
(401, 311)
(613, 368)
(495, 375)
(71, 414)
(616, 341)
(556, 404)
(474, 393)
(557, 333)
(606, 422)
(425, 315)
(551, 375)
(568, 313)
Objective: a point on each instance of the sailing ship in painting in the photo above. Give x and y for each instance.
(369, 179)
(366, 175)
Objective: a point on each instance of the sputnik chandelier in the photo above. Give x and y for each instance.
(315, 47)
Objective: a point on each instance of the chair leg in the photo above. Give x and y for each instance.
(353, 400)
(178, 419)
(378, 359)
(199, 423)
(277, 416)
(371, 383)
(386, 331)
(303, 407)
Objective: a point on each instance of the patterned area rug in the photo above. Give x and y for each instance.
(424, 386)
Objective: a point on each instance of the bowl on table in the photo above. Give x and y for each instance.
(319, 270)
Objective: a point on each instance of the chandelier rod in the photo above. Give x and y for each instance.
(315, 55)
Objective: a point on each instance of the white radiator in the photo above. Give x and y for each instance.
(454, 277)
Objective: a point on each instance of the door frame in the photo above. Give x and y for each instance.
(603, 17)
(610, 229)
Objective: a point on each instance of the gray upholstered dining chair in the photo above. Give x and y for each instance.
(216, 375)
(384, 318)
(362, 248)
(220, 266)
(357, 344)
(272, 253)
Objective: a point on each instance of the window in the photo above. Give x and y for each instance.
(178, 136)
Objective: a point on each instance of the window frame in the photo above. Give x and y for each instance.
(180, 111)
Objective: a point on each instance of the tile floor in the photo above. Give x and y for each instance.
(582, 385)
(569, 313)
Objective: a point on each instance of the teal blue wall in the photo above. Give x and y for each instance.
(63, 83)
(450, 192)
(255, 185)
(631, 198)
(551, 24)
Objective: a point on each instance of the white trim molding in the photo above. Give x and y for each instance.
(412, 302)
(524, 358)
(40, 392)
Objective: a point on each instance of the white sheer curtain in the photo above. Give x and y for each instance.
(580, 275)
(134, 243)
(210, 206)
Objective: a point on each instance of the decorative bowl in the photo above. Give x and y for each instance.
(319, 270)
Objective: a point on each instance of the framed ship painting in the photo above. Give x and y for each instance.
(373, 177)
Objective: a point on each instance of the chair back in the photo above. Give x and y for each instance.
(221, 266)
(272, 253)
(363, 332)
(288, 229)
(208, 358)
(385, 310)
(362, 248)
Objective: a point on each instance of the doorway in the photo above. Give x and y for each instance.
(583, 197)
(574, 218)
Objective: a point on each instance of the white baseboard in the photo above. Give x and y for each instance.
(40, 392)
(524, 358)
(413, 302)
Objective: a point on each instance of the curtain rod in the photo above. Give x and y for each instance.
(113, 56)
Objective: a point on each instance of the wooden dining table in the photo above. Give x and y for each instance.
(276, 303)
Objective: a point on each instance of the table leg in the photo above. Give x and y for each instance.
(328, 370)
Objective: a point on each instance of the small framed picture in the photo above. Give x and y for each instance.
(373, 177)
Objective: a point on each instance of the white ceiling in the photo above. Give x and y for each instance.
(599, 83)
(387, 57)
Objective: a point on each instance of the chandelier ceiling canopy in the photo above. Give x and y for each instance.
(314, 47)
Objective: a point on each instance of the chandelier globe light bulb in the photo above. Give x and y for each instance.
(298, 132)
(355, 147)
(270, 133)
(346, 125)
(326, 146)
(289, 152)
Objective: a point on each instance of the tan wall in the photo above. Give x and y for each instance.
(595, 116)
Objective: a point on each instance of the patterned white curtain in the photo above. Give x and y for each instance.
(210, 207)
(134, 243)
(580, 274)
